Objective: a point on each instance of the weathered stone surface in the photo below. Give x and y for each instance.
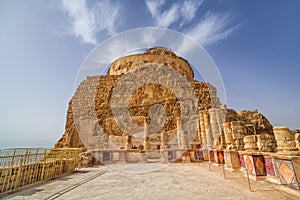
(283, 133)
(286, 140)
(154, 55)
(90, 111)
(266, 142)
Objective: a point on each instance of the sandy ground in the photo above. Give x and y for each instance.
(139, 181)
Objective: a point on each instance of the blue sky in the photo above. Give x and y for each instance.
(255, 45)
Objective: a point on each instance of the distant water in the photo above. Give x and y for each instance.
(25, 143)
(13, 157)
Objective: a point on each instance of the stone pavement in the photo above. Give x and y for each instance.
(139, 181)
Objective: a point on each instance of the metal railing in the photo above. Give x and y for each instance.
(20, 167)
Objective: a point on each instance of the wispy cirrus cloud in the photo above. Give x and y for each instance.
(189, 8)
(162, 18)
(207, 30)
(83, 20)
(178, 12)
(212, 28)
(107, 15)
(87, 21)
(89, 18)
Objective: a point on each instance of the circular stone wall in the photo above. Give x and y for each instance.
(154, 55)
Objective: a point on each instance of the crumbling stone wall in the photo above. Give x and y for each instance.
(155, 55)
(90, 107)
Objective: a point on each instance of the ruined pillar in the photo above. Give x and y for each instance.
(285, 140)
(146, 134)
(163, 149)
(214, 126)
(178, 123)
(238, 133)
(265, 142)
(162, 141)
(221, 115)
(105, 141)
(209, 137)
(128, 144)
(183, 139)
(250, 143)
(228, 135)
(202, 130)
(199, 136)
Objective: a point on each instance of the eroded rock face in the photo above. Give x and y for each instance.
(71, 137)
(90, 109)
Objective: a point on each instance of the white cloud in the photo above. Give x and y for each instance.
(83, 20)
(151, 36)
(212, 28)
(189, 8)
(154, 6)
(88, 21)
(168, 17)
(181, 11)
(107, 15)
(162, 18)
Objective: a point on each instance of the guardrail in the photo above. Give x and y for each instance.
(20, 167)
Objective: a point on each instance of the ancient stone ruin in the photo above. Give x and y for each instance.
(240, 140)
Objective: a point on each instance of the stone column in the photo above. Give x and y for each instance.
(146, 134)
(228, 135)
(202, 130)
(128, 142)
(238, 133)
(250, 143)
(162, 141)
(221, 115)
(178, 123)
(199, 136)
(214, 126)
(105, 141)
(209, 138)
(183, 139)
(265, 142)
(285, 140)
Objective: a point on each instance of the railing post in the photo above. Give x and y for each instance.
(11, 171)
(223, 167)
(61, 161)
(209, 160)
(78, 158)
(20, 170)
(44, 163)
(25, 167)
(248, 179)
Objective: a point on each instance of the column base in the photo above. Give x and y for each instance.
(122, 157)
(164, 156)
(186, 157)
